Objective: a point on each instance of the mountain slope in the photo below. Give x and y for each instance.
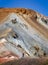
(25, 32)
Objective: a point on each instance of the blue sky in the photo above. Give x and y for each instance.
(40, 6)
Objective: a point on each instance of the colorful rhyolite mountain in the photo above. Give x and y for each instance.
(23, 33)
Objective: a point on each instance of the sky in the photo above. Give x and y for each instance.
(40, 6)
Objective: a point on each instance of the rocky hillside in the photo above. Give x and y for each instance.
(23, 33)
